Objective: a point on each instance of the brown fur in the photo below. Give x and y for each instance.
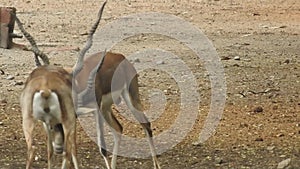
(49, 79)
(115, 73)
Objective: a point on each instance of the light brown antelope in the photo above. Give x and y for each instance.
(47, 97)
(97, 72)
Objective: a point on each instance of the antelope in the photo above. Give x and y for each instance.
(47, 97)
(97, 72)
(109, 76)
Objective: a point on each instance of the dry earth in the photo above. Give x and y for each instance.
(260, 126)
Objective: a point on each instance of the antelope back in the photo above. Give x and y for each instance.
(43, 82)
(116, 70)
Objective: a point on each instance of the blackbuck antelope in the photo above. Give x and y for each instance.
(47, 97)
(108, 76)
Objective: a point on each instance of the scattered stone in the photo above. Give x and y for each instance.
(197, 143)
(246, 44)
(244, 125)
(2, 72)
(259, 139)
(270, 148)
(225, 58)
(3, 101)
(10, 77)
(18, 83)
(258, 109)
(219, 160)
(84, 34)
(136, 60)
(10, 90)
(283, 26)
(160, 62)
(284, 164)
(287, 61)
(280, 135)
(237, 58)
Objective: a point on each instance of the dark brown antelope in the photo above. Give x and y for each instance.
(110, 76)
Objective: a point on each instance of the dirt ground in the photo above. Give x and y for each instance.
(257, 41)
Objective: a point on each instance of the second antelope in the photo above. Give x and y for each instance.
(111, 76)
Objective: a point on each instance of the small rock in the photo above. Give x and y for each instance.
(225, 58)
(280, 135)
(10, 77)
(270, 148)
(3, 101)
(1, 123)
(219, 161)
(237, 58)
(2, 72)
(259, 139)
(283, 26)
(136, 60)
(243, 125)
(287, 61)
(197, 143)
(258, 109)
(161, 62)
(18, 83)
(283, 164)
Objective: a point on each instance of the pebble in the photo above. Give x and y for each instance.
(259, 139)
(237, 58)
(3, 101)
(160, 62)
(18, 83)
(284, 164)
(225, 58)
(137, 60)
(287, 61)
(219, 161)
(280, 135)
(10, 77)
(258, 109)
(270, 148)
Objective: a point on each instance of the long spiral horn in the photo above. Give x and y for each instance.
(89, 42)
(35, 49)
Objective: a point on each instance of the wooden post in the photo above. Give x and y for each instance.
(7, 23)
